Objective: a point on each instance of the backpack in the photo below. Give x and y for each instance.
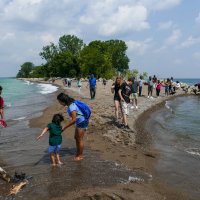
(84, 108)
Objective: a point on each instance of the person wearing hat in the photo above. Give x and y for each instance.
(92, 84)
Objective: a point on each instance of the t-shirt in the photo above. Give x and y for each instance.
(158, 86)
(79, 115)
(141, 82)
(1, 102)
(92, 82)
(126, 91)
(150, 83)
(135, 87)
(55, 131)
(116, 88)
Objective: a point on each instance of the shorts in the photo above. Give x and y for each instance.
(83, 124)
(134, 96)
(125, 108)
(54, 149)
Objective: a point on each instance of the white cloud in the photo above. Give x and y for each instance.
(160, 4)
(178, 61)
(173, 38)
(197, 19)
(190, 42)
(165, 25)
(138, 47)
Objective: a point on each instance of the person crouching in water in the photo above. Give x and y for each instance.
(124, 93)
(55, 138)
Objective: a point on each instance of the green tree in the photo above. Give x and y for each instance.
(25, 70)
(117, 50)
(48, 52)
(70, 43)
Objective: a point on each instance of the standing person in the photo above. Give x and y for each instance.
(79, 84)
(1, 104)
(170, 82)
(55, 138)
(69, 82)
(150, 87)
(134, 95)
(92, 84)
(79, 113)
(115, 89)
(166, 84)
(104, 83)
(140, 85)
(154, 79)
(124, 93)
(158, 88)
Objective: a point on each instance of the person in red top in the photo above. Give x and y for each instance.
(158, 88)
(1, 104)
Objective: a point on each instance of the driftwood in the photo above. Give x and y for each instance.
(4, 175)
(16, 188)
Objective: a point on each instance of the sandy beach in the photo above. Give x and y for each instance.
(131, 149)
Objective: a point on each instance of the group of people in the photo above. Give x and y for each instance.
(169, 85)
(79, 113)
(126, 92)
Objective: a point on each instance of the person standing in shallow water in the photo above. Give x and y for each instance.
(77, 117)
(55, 138)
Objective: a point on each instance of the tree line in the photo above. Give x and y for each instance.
(71, 57)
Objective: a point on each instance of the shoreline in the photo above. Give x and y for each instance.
(117, 145)
(144, 159)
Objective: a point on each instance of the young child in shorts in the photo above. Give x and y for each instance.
(1, 104)
(55, 138)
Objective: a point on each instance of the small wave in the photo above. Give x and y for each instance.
(194, 151)
(47, 88)
(168, 107)
(19, 119)
(8, 105)
(135, 179)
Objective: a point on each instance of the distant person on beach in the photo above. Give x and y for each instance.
(1, 104)
(124, 93)
(154, 79)
(79, 84)
(55, 138)
(115, 89)
(150, 87)
(78, 117)
(69, 83)
(166, 85)
(134, 93)
(92, 85)
(158, 88)
(141, 81)
(104, 83)
(170, 85)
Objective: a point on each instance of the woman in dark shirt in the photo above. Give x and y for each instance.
(114, 89)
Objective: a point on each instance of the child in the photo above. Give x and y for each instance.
(55, 138)
(1, 104)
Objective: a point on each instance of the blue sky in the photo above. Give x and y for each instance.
(163, 36)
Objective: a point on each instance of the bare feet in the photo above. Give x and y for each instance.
(77, 158)
(60, 163)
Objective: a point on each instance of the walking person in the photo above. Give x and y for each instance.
(158, 88)
(92, 84)
(134, 94)
(55, 138)
(79, 84)
(80, 114)
(124, 93)
(115, 89)
(141, 81)
(150, 87)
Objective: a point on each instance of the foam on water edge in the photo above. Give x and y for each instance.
(47, 88)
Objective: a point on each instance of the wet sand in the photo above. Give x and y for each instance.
(131, 149)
